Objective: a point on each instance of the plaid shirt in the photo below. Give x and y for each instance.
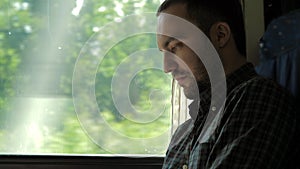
(257, 130)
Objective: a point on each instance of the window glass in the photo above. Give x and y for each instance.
(82, 77)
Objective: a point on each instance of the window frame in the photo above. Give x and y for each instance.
(80, 162)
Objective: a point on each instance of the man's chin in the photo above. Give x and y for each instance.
(192, 92)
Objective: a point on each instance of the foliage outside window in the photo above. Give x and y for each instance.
(41, 41)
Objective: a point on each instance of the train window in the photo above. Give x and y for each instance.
(81, 82)
(81, 77)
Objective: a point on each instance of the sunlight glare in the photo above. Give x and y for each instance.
(77, 9)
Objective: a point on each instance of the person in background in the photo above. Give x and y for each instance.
(257, 123)
(279, 52)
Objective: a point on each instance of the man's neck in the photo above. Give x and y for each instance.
(233, 62)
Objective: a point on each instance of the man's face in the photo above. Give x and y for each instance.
(179, 59)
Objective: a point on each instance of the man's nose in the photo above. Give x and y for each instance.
(169, 62)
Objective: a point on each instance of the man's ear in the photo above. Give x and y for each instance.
(220, 34)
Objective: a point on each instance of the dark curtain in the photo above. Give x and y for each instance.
(276, 8)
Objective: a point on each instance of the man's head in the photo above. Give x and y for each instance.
(221, 21)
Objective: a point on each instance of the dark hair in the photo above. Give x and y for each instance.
(206, 12)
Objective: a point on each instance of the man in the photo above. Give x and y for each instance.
(256, 127)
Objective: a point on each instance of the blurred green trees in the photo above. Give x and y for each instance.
(40, 41)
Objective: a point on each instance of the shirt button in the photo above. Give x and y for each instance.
(184, 166)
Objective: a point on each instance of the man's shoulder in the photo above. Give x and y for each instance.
(184, 127)
(261, 94)
(182, 131)
(262, 86)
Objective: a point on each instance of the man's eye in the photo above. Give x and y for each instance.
(174, 48)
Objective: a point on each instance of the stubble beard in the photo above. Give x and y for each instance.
(195, 88)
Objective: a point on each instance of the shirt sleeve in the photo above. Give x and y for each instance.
(256, 131)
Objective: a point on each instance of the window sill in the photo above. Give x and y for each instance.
(80, 161)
